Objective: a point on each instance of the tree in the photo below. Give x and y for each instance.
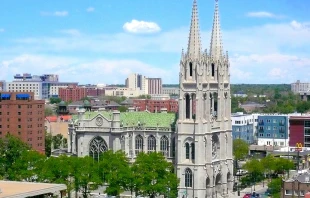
(153, 175)
(55, 100)
(48, 111)
(240, 149)
(27, 166)
(115, 171)
(255, 170)
(268, 163)
(86, 175)
(59, 141)
(11, 149)
(59, 170)
(275, 187)
(48, 144)
(122, 108)
(281, 165)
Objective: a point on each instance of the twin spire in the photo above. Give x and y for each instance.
(194, 41)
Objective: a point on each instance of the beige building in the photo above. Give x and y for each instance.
(123, 91)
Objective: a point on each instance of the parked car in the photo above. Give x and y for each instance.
(241, 172)
(248, 195)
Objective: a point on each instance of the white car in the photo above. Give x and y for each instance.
(241, 172)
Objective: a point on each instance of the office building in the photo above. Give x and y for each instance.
(22, 116)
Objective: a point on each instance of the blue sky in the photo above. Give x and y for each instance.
(102, 41)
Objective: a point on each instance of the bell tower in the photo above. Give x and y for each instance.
(204, 161)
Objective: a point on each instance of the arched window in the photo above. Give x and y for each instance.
(188, 108)
(164, 145)
(212, 70)
(187, 150)
(193, 150)
(151, 144)
(173, 147)
(139, 144)
(188, 178)
(190, 69)
(207, 182)
(96, 147)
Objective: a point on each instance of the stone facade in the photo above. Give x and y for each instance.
(204, 161)
(198, 141)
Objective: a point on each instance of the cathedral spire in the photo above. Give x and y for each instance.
(216, 46)
(194, 43)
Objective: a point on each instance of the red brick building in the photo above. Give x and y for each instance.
(299, 130)
(94, 91)
(155, 105)
(22, 116)
(72, 93)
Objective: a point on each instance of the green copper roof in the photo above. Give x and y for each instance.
(129, 119)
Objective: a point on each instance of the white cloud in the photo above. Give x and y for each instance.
(90, 9)
(2, 30)
(81, 70)
(136, 26)
(71, 32)
(263, 14)
(56, 13)
(278, 73)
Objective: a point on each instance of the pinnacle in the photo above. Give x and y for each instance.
(194, 43)
(216, 46)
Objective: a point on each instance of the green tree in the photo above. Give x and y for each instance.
(268, 163)
(59, 141)
(240, 149)
(55, 100)
(48, 111)
(275, 187)
(255, 170)
(27, 166)
(115, 170)
(86, 175)
(59, 170)
(282, 165)
(11, 149)
(154, 175)
(48, 144)
(122, 108)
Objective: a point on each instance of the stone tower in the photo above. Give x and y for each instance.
(204, 161)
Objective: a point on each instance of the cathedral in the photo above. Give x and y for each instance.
(198, 140)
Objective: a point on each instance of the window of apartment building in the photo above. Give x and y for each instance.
(19, 133)
(19, 120)
(19, 106)
(268, 127)
(7, 113)
(261, 135)
(268, 135)
(8, 119)
(0, 126)
(19, 113)
(307, 123)
(0, 113)
(0, 132)
(19, 126)
(275, 128)
(0, 106)
(8, 126)
(274, 121)
(268, 121)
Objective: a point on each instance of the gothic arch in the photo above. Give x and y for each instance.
(138, 144)
(187, 106)
(97, 146)
(208, 182)
(188, 177)
(228, 176)
(151, 144)
(215, 146)
(164, 145)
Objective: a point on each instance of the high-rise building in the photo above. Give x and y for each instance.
(22, 116)
(137, 82)
(204, 161)
(154, 86)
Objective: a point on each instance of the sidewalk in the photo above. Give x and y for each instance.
(258, 188)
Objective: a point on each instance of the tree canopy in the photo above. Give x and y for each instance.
(240, 149)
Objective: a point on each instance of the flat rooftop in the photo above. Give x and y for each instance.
(14, 189)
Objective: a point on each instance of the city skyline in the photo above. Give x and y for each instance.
(105, 41)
